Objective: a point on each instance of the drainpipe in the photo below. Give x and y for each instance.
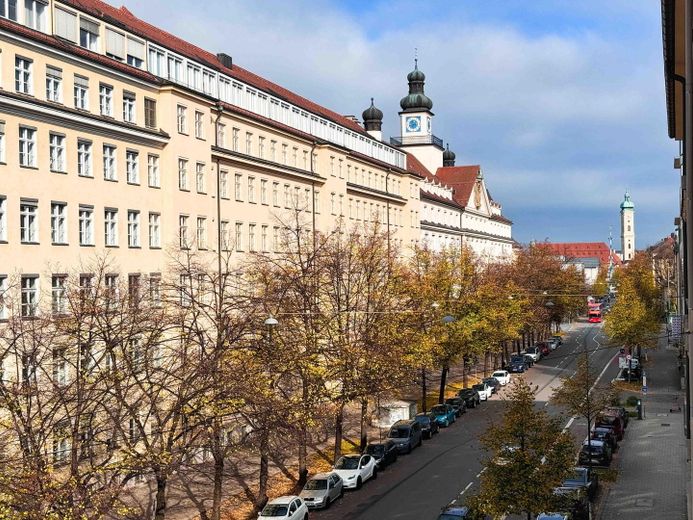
(312, 185)
(387, 208)
(220, 111)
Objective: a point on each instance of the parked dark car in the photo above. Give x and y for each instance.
(598, 452)
(544, 348)
(406, 435)
(618, 411)
(529, 360)
(606, 434)
(584, 479)
(611, 420)
(384, 453)
(493, 383)
(573, 500)
(458, 404)
(429, 425)
(517, 365)
(470, 396)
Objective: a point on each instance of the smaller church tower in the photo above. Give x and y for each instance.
(627, 228)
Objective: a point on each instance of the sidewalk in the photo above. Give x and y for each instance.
(651, 464)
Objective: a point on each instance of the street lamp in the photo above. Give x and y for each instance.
(549, 306)
(270, 323)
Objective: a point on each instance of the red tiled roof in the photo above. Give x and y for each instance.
(122, 16)
(75, 49)
(461, 179)
(416, 166)
(598, 250)
(501, 218)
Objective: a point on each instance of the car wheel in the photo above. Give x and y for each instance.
(341, 492)
(375, 473)
(446, 424)
(327, 504)
(358, 483)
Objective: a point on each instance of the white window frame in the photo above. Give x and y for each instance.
(59, 294)
(201, 232)
(86, 226)
(28, 222)
(110, 162)
(110, 219)
(27, 147)
(54, 84)
(153, 177)
(84, 158)
(132, 166)
(199, 124)
(81, 93)
(182, 174)
(29, 297)
(200, 177)
(133, 228)
(57, 153)
(59, 223)
(182, 119)
(3, 218)
(23, 75)
(154, 230)
(106, 100)
(129, 107)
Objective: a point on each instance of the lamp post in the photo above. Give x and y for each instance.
(270, 323)
(447, 319)
(549, 306)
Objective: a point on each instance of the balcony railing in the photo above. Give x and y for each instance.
(410, 140)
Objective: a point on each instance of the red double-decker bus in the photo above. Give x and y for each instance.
(594, 312)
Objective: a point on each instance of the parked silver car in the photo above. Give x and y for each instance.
(321, 490)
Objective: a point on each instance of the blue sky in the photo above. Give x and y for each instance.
(561, 102)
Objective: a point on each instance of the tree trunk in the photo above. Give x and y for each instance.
(302, 455)
(423, 389)
(218, 453)
(364, 430)
(160, 500)
(465, 373)
(338, 431)
(261, 499)
(486, 355)
(443, 380)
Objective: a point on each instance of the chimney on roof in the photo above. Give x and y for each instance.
(225, 60)
(353, 118)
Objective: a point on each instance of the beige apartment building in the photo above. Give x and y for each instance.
(118, 137)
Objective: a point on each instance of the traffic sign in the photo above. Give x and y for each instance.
(644, 389)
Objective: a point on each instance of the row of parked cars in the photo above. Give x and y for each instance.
(519, 363)
(352, 471)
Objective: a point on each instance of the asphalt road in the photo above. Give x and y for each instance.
(448, 466)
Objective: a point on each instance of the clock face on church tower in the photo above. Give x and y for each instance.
(413, 124)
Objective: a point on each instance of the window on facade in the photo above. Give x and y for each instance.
(54, 84)
(135, 53)
(153, 171)
(129, 107)
(28, 222)
(61, 442)
(2, 141)
(3, 304)
(221, 135)
(224, 232)
(149, 113)
(81, 91)
(109, 162)
(22, 75)
(154, 230)
(263, 238)
(263, 191)
(8, 9)
(106, 100)
(183, 231)
(273, 150)
(251, 189)
(133, 228)
(287, 196)
(175, 69)
(237, 187)
(111, 227)
(89, 34)
(3, 219)
(27, 146)
(132, 166)
(275, 194)
(35, 14)
(182, 174)
(261, 147)
(86, 226)
(199, 125)
(29, 297)
(224, 184)
(275, 238)
(284, 153)
(155, 291)
(185, 290)
(251, 237)
(59, 294)
(248, 143)
(57, 152)
(234, 139)
(134, 298)
(201, 232)
(239, 236)
(157, 61)
(294, 157)
(200, 177)
(84, 159)
(182, 119)
(58, 223)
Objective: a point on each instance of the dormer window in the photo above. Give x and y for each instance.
(135, 53)
(8, 9)
(89, 34)
(35, 14)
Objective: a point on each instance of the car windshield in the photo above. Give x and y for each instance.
(347, 463)
(400, 432)
(577, 476)
(606, 419)
(594, 450)
(531, 349)
(453, 401)
(375, 449)
(517, 359)
(498, 374)
(439, 410)
(479, 387)
(316, 483)
(423, 419)
(275, 510)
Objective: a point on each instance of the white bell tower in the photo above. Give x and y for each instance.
(627, 228)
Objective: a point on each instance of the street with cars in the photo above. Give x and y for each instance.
(427, 471)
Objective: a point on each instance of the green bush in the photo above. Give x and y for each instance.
(632, 401)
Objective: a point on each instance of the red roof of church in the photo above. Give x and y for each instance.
(462, 179)
(598, 250)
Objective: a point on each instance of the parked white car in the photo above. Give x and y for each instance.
(284, 508)
(503, 376)
(534, 352)
(355, 470)
(485, 391)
